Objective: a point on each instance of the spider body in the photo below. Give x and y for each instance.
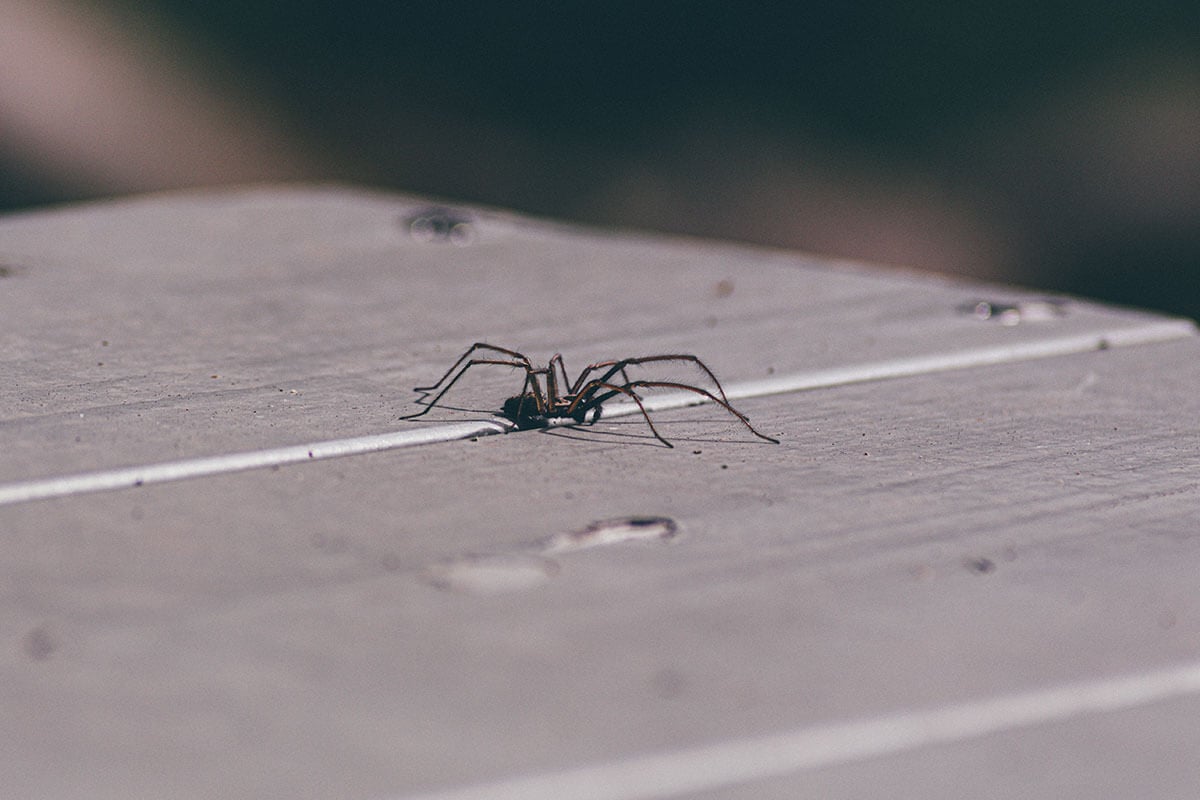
(522, 411)
(548, 395)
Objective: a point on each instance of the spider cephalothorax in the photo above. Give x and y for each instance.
(581, 399)
(523, 412)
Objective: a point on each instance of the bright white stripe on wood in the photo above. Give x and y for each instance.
(129, 477)
(685, 772)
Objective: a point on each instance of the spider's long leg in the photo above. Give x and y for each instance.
(614, 367)
(672, 385)
(461, 372)
(581, 380)
(477, 346)
(613, 389)
(552, 392)
(588, 370)
(539, 400)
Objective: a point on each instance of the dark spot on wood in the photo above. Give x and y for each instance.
(981, 566)
(39, 644)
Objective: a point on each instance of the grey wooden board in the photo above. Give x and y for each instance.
(198, 324)
(398, 623)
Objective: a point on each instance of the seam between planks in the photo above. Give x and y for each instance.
(129, 477)
(710, 767)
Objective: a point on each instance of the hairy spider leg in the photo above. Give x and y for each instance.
(614, 389)
(552, 394)
(595, 399)
(477, 346)
(590, 368)
(539, 401)
(619, 366)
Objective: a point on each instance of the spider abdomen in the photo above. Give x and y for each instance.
(522, 410)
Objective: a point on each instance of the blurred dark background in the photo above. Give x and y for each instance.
(1052, 143)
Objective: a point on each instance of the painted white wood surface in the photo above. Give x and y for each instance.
(960, 580)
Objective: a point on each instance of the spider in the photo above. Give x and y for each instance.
(579, 400)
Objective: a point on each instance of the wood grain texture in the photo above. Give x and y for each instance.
(191, 325)
(409, 621)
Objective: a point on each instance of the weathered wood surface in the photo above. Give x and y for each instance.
(970, 580)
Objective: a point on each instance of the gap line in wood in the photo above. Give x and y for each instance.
(130, 477)
(711, 767)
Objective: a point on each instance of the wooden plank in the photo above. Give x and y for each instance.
(185, 326)
(935, 549)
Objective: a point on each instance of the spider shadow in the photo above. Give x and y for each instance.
(426, 417)
(603, 430)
